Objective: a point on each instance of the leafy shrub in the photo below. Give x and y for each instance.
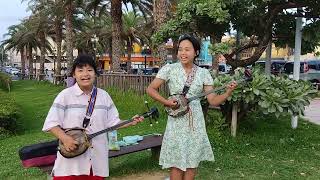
(4, 133)
(215, 124)
(8, 112)
(268, 94)
(5, 81)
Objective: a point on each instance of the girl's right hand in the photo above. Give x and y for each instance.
(69, 143)
(172, 103)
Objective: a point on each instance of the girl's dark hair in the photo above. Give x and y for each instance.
(83, 60)
(195, 43)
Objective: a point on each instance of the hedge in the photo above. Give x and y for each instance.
(5, 81)
(9, 112)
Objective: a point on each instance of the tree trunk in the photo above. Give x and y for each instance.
(23, 60)
(30, 59)
(160, 15)
(234, 119)
(58, 32)
(129, 48)
(69, 35)
(267, 68)
(175, 50)
(42, 37)
(215, 58)
(116, 14)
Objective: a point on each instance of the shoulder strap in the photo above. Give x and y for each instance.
(189, 80)
(90, 107)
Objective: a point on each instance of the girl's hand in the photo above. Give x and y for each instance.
(231, 87)
(172, 103)
(136, 119)
(69, 143)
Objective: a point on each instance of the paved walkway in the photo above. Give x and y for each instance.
(312, 112)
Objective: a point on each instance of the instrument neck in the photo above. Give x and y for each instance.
(146, 114)
(211, 91)
(205, 93)
(90, 136)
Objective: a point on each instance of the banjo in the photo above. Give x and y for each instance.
(183, 102)
(84, 139)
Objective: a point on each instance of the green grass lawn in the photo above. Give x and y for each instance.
(265, 147)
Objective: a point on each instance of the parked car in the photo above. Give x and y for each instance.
(147, 71)
(150, 71)
(314, 65)
(14, 71)
(309, 71)
(223, 68)
(276, 65)
(7, 69)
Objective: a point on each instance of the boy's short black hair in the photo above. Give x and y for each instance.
(83, 60)
(195, 43)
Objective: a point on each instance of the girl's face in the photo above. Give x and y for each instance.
(186, 52)
(85, 77)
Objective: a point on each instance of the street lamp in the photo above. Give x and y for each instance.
(94, 41)
(145, 51)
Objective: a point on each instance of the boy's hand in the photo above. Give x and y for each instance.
(136, 119)
(69, 143)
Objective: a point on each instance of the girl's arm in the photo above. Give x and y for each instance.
(215, 99)
(152, 91)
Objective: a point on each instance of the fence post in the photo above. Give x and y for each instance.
(234, 119)
(8, 84)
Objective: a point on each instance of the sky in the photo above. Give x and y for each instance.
(11, 12)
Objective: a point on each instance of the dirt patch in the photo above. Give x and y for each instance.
(144, 176)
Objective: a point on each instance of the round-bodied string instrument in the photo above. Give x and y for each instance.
(84, 139)
(182, 107)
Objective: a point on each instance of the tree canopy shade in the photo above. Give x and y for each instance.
(260, 20)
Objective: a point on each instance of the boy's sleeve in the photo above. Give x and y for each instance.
(56, 114)
(164, 72)
(112, 113)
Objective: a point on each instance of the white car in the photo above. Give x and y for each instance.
(14, 71)
(7, 69)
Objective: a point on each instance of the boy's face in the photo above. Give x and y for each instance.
(84, 76)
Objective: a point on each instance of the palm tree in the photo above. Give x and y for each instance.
(133, 32)
(39, 23)
(69, 9)
(21, 39)
(144, 6)
(116, 14)
(30, 41)
(14, 42)
(56, 16)
(160, 16)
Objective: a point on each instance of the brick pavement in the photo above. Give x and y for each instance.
(312, 112)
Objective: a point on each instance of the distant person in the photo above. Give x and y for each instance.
(69, 110)
(46, 72)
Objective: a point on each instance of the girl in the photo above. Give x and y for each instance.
(68, 111)
(185, 142)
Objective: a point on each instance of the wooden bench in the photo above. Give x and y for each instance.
(152, 142)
